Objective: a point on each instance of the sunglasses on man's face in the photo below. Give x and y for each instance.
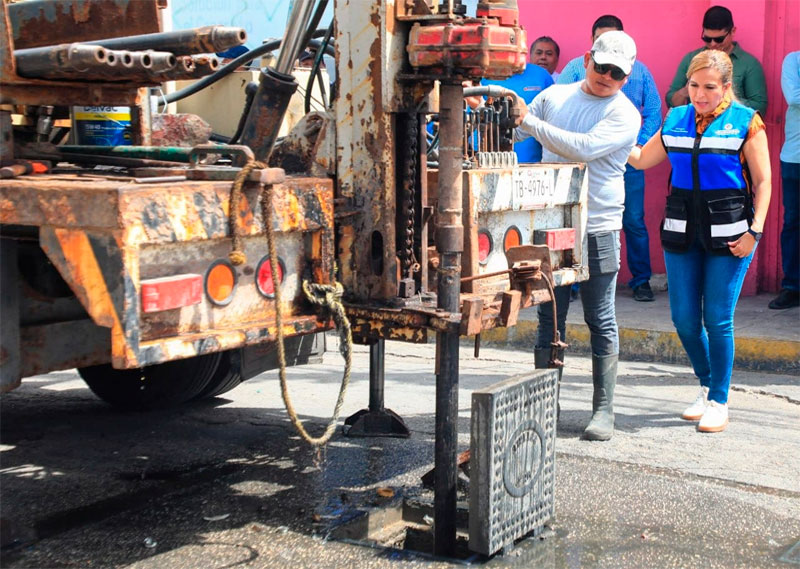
(718, 39)
(617, 74)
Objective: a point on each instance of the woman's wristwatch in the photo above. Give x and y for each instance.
(756, 234)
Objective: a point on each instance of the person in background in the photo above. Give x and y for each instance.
(592, 122)
(642, 91)
(714, 216)
(545, 53)
(790, 176)
(749, 85)
(527, 85)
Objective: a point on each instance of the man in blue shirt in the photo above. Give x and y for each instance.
(642, 92)
(527, 85)
(790, 176)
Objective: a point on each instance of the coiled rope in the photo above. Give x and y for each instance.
(327, 297)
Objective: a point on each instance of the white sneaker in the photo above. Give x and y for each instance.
(715, 419)
(694, 411)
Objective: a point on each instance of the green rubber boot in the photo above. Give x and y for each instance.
(604, 377)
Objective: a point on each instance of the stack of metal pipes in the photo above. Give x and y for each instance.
(147, 58)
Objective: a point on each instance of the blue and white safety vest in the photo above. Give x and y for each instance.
(710, 195)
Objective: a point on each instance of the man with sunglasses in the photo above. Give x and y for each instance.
(641, 89)
(749, 84)
(593, 122)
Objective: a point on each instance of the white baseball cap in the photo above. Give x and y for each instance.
(615, 48)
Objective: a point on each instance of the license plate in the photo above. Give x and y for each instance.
(532, 187)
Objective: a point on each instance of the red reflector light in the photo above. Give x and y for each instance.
(484, 246)
(555, 239)
(264, 280)
(220, 282)
(166, 293)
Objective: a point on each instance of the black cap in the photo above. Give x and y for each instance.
(718, 18)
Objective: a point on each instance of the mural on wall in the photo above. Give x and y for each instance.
(261, 19)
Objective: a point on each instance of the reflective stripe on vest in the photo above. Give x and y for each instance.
(717, 154)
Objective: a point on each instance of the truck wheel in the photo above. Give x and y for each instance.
(227, 376)
(153, 387)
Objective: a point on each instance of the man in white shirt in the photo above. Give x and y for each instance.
(593, 122)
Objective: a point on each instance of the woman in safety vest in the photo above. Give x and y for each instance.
(720, 188)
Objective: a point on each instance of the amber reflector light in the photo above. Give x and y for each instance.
(220, 282)
(513, 238)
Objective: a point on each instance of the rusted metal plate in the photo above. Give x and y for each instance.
(47, 22)
(368, 331)
(63, 345)
(512, 460)
(33, 92)
(174, 211)
(369, 55)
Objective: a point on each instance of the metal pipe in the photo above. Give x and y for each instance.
(296, 25)
(55, 61)
(377, 362)
(169, 153)
(160, 61)
(207, 39)
(449, 244)
(488, 91)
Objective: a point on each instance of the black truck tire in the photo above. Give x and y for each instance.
(237, 365)
(227, 376)
(153, 387)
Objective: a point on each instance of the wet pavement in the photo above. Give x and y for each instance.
(228, 483)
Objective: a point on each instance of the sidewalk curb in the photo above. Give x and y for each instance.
(752, 354)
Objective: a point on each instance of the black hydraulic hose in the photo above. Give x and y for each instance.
(315, 18)
(315, 71)
(250, 94)
(235, 64)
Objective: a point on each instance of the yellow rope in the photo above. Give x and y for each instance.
(237, 255)
(327, 297)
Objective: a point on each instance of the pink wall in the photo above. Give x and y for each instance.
(665, 30)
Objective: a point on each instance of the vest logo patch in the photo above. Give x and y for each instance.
(727, 131)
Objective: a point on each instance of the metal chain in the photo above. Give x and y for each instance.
(409, 262)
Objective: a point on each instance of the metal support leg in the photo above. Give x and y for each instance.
(376, 421)
(450, 244)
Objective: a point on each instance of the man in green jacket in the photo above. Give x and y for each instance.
(749, 84)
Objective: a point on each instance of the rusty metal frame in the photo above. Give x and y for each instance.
(94, 231)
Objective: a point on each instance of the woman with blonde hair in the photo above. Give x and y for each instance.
(720, 189)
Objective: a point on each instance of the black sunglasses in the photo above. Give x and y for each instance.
(720, 39)
(617, 74)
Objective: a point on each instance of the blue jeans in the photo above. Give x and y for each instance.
(637, 242)
(790, 243)
(703, 290)
(597, 297)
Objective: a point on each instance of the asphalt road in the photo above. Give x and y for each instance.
(228, 483)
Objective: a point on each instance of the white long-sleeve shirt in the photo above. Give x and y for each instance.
(574, 126)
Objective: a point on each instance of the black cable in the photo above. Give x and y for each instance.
(315, 71)
(226, 70)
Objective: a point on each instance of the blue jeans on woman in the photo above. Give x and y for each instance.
(703, 291)
(597, 297)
